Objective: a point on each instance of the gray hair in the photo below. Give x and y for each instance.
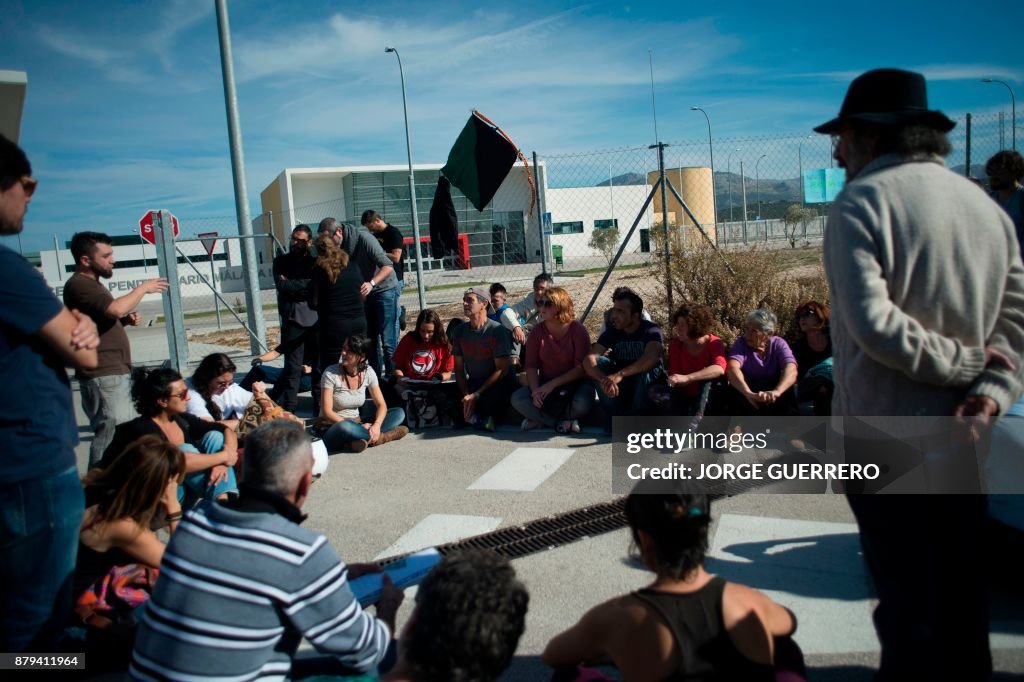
(277, 456)
(762, 318)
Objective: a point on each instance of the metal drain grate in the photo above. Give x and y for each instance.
(543, 534)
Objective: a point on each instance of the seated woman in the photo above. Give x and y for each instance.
(696, 357)
(118, 552)
(211, 450)
(558, 392)
(348, 422)
(687, 624)
(813, 352)
(424, 354)
(214, 396)
(761, 370)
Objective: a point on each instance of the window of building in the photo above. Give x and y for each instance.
(607, 224)
(574, 227)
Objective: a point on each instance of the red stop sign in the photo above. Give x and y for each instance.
(146, 226)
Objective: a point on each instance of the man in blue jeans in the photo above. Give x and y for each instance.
(41, 500)
(626, 358)
(379, 289)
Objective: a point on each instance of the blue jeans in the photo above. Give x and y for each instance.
(632, 398)
(382, 327)
(347, 431)
(107, 402)
(198, 482)
(39, 521)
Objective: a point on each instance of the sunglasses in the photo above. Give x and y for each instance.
(28, 185)
(545, 303)
(807, 313)
(223, 383)
(181, 396)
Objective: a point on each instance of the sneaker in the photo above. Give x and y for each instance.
(489, 424)
(529, 425)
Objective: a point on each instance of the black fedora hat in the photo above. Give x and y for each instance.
(887, 97)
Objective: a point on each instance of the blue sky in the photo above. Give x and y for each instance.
(125, 105)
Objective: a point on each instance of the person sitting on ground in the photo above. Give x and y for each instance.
(606, 319)
(470, 613)
(761, 370)
(425, 355)
(558, 392)
(271, 375)
(696, 357)
(243, 584)
(211, 450)
(813, 353)
(687, 624)
(214, 396)
(626, 359)
(526, 309)
(348, 421)
(507, 318)
(118, 552)
(481, 348)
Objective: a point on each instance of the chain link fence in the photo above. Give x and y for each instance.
(596, 208)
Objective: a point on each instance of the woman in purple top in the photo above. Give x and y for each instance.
(761, 370)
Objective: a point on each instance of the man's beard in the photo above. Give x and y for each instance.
(105, 273)
(999, 184)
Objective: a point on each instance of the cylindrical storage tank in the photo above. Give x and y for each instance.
(695, 186)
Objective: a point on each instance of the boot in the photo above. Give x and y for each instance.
(354, 446)
(396, 433)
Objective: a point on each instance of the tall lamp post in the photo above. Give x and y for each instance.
(420, 289)
(728, 178)
(1013, 109)
(800, 165)
(757, 183)
(711, 153)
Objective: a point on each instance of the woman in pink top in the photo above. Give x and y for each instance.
(558, 393)
(695, 357)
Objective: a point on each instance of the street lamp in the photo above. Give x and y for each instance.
(1013, 109)
(800, 165)
(728, 178)
(420, 290)
(711, 152)
(757, 183)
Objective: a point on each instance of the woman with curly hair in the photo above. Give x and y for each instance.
(687, 624)
(336, 298)
(213, 393)
(813, 352)
(210, 449)
(696, 357)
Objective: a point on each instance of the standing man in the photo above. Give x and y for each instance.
(41, 499)
(390, 239)
(379, 289)
(481, 348)
(927, 293)
(1005, 173)
(242, 583)
(106, 390)
(292, 274)
(623, 375)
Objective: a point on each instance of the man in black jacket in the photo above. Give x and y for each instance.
(292, 273)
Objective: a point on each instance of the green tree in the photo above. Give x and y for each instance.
(797, 215)
(606, 241)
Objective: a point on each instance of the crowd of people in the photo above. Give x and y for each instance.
(238, 584)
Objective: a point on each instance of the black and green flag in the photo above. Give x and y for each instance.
(479, 161)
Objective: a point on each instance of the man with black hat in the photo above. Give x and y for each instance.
(927, 294)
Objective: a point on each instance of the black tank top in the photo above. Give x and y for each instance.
(706, 651)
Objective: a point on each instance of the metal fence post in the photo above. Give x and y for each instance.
(540, 219)
(167, 264)
(664, 222)
(967, 148)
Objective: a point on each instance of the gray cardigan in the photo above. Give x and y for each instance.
(924, 271)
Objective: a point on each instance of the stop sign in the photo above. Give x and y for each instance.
(146, 226)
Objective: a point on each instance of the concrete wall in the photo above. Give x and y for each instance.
(587, 204)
